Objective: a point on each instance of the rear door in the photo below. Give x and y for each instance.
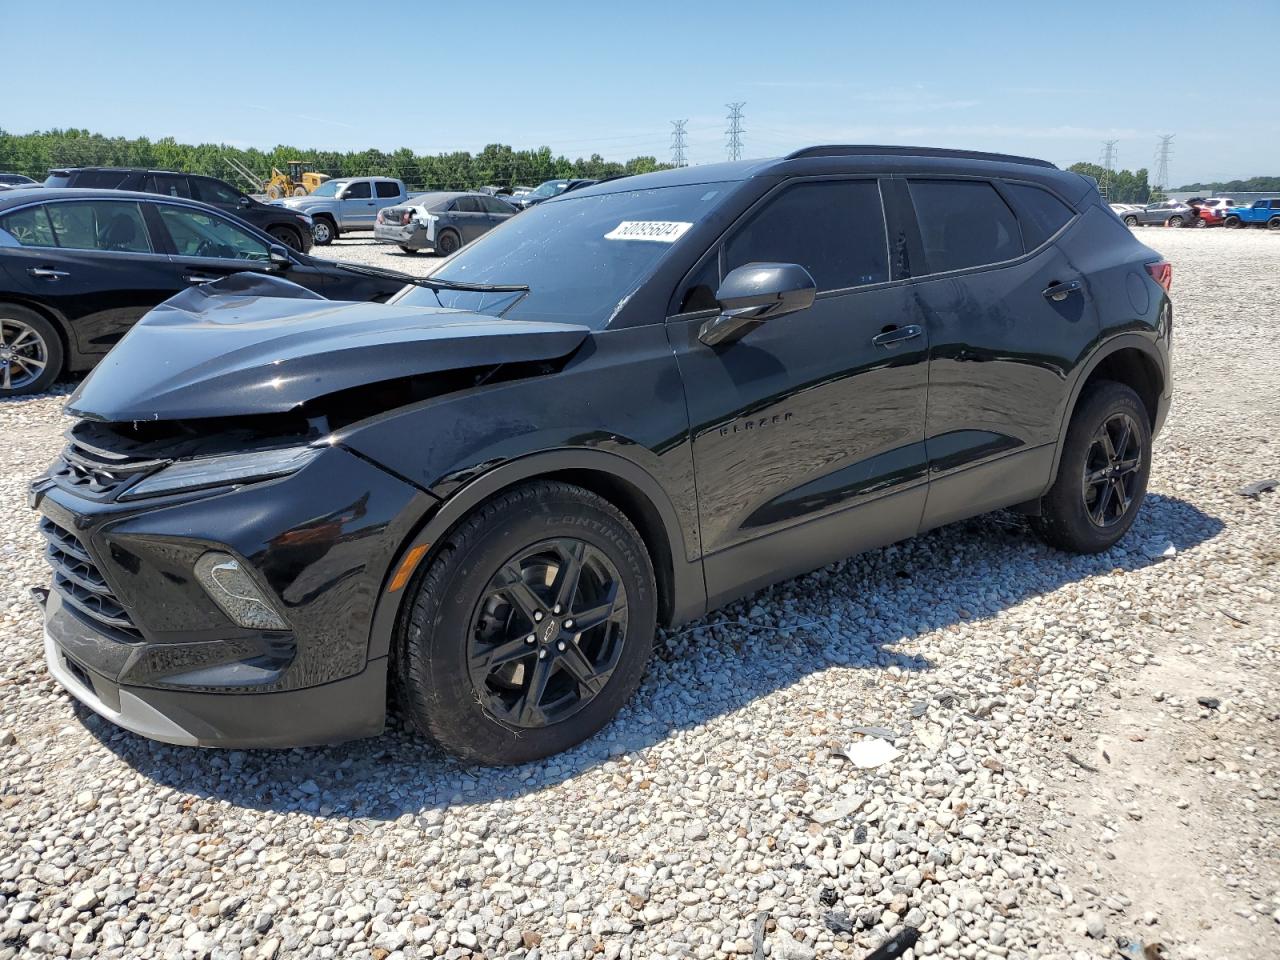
(218, 194)
(1008, 316)
(386, 193)
(167, 185)
(471, 219)
(809, 431)
(357, 208)
(497, 211)
(93, 262)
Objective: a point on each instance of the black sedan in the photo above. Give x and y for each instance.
(79, 267)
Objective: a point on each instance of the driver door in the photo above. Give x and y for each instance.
(204, 246)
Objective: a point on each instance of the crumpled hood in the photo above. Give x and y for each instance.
(251, 344)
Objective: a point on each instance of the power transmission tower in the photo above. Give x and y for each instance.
(1163, 153)
(1108, 166)
(735, 130)
(678, 143)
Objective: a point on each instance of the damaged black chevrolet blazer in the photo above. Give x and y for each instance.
(624, 407)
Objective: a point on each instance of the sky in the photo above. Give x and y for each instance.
(1052, 80)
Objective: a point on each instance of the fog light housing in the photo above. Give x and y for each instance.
(229, 585)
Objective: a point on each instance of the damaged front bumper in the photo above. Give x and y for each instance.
(132, 633)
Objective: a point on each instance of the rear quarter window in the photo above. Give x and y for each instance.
(1039, 212)
(964, 223)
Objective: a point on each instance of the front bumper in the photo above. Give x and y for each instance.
(149, 650)
(413, 235)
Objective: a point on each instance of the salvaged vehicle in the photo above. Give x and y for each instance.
(285, 226)
(442, 222)
(351, 203)
(78, 268)
(629, 405)
(1165, 213)
(548, 189)
(1260, 213)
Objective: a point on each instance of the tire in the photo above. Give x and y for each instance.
(447, 243)
(1173, 222)
(274, 192)
(299, 191)
(1130, 221)
(408, 250)
(1273, 223)
(323, 231)
(1201, 222)
(31, 352)
(1231, 223)
(462, 609)
(1071, 510)
(289, 237)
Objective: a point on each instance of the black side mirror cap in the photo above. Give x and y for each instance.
(754, 293)
(278, 255)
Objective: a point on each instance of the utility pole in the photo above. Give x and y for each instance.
(678, 143)
(1108, 166)
(1163, 153)
(735, 130)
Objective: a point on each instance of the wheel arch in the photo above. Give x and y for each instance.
(72, 358)
(292, 230)
(682, 591)
(1130, 359)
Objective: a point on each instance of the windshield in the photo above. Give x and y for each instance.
(329, 188)
(581, 256)
(549, 189)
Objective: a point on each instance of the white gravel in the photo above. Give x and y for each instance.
(1058, 785)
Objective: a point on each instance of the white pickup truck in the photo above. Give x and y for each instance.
(346, 204)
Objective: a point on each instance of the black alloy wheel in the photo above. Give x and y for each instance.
(287, 236)
(1112, 470)
(447, 243)
(547, 633)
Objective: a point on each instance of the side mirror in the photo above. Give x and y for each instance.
(278, 256)
(246, 202)
(754, 293)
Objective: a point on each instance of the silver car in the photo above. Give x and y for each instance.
(442, 222)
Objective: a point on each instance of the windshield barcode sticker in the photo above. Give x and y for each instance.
(659, 231)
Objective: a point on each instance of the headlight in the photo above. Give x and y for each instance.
(305, 218)
(220, 471)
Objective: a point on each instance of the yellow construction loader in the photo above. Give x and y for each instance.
(297, 182)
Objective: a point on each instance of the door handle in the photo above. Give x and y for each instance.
(1057, 292)
(48, 273)
(198, 278)
(896, 335)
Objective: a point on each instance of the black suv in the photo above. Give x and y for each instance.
(286, 226)
(629, 405)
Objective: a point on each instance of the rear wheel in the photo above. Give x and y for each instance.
(1131, 221)
(1174, 222)
(447, 243)
(407, 249)
(530, 628)
(1102, 474)
(323, 231)
(290, 238)
(30, 352)
(1273, 223)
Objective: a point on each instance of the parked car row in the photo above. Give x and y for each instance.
(628, 405)
(441, 222)
(79, 267)
(1201, 212)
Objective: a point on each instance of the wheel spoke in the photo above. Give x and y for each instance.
(1122, 446)
(1129, 466)
(590, 681)
(528, 709)
(570, 573)
(502, 653)
(592, 617)
(1104, 500)
(30, 363)
(1108, 448)
(8, 376)
(24, 337)
(1096, 476)
(519, 593)
(1121, 498)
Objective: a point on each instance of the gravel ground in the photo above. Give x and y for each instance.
(1059, 791)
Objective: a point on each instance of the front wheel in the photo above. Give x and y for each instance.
(323, 231)
(1231, 223)
(530, 627)
(30, 352)
(286, 236)
(1102, 473)
(1130, 221)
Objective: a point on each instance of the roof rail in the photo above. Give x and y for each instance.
(870, 150)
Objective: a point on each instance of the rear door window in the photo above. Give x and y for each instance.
(109, 225)
(963, 223)
(835, 229)
(1040, 213)
(29, 226)
(386, 189)
(170, 185)
(467, 205)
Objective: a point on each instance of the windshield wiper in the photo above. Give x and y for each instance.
(434, 284)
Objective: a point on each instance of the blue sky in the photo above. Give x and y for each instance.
(1051, 80)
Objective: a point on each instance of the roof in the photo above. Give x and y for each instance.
(14, 198)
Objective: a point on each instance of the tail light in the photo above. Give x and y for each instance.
(380, 216)
(1162, 273)
(405, 218)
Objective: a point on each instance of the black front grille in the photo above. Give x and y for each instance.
(81, 585)
(97, 472)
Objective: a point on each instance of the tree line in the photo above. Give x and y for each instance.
(1122, 186)
(1252, 185)
(34, 154)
